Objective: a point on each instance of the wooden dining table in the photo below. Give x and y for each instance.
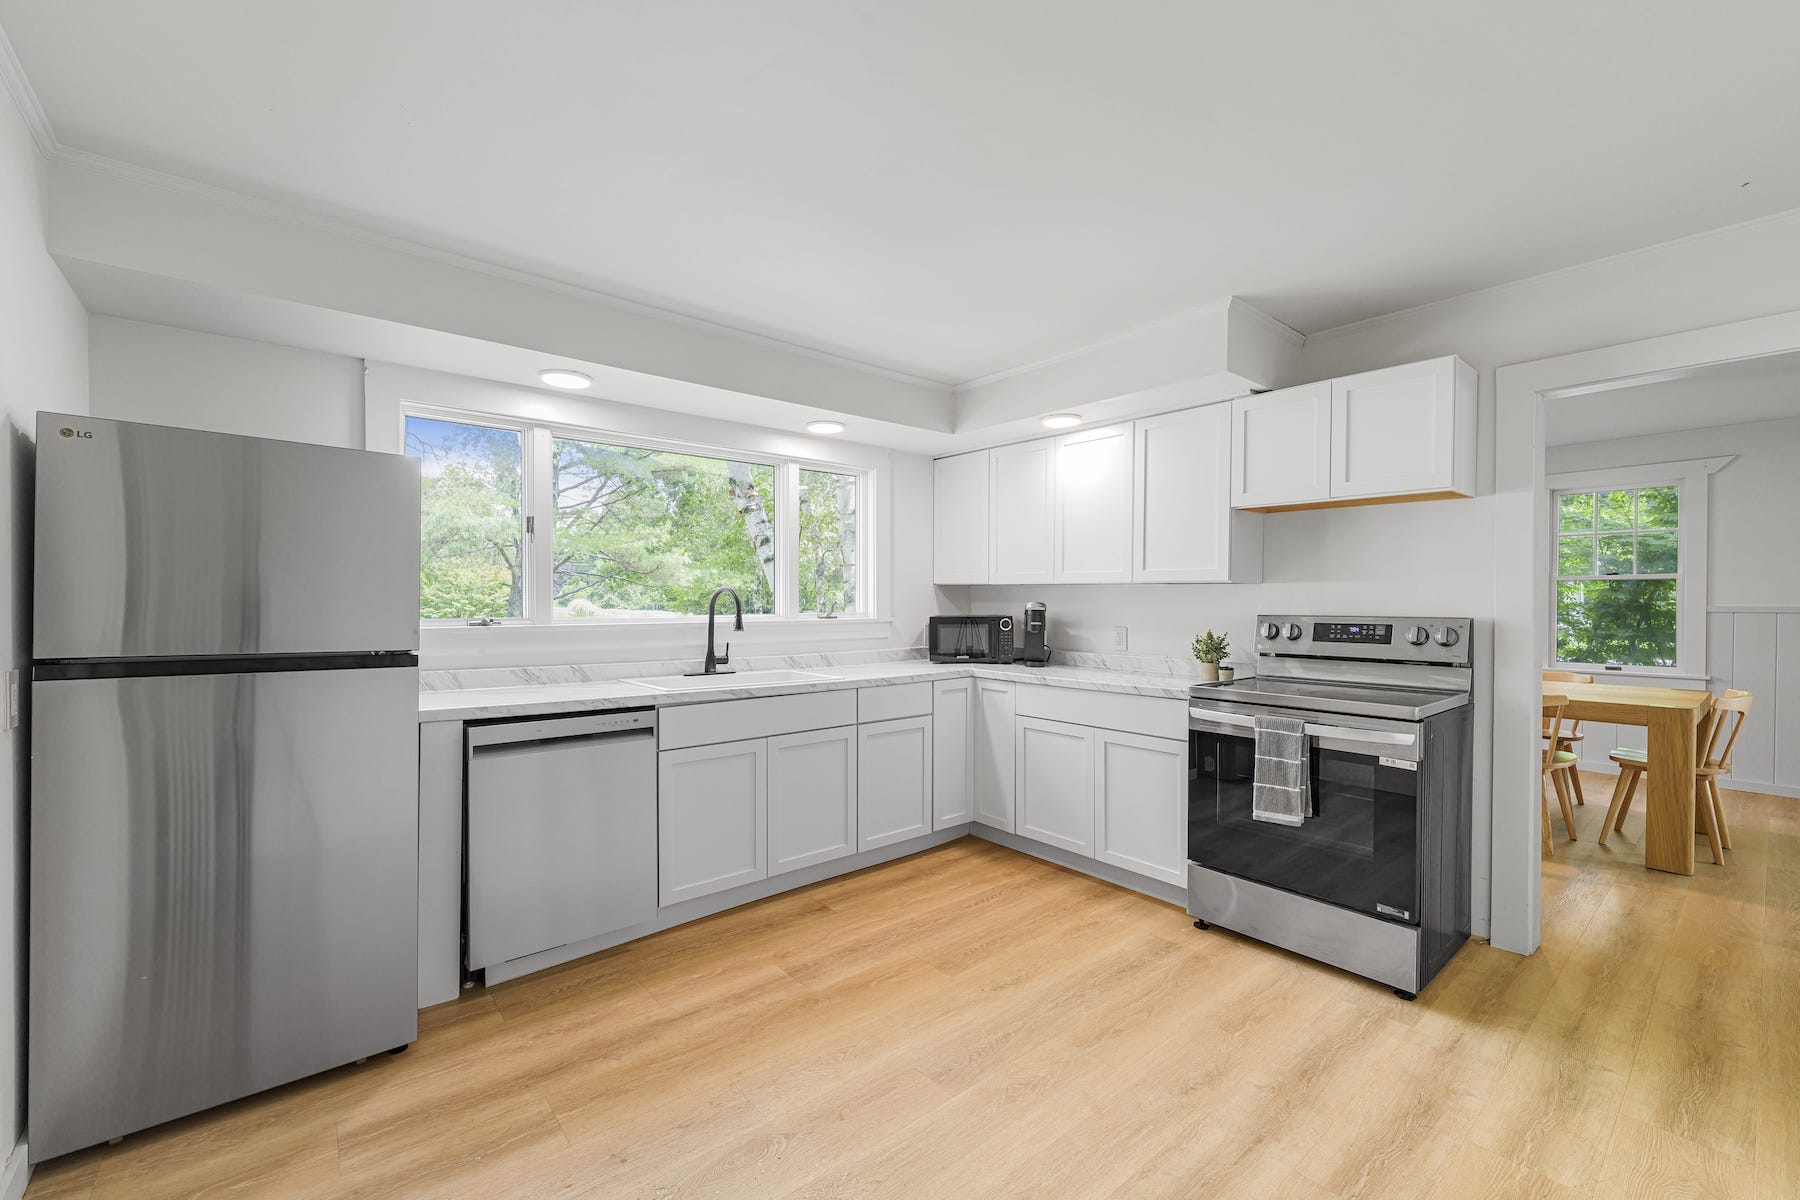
(1673, 717)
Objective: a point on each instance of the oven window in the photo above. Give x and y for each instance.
(1357, 847)
(972, 639)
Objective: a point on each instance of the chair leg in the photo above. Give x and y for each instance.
(1630, 794)
(1544, 823)
(1718, 805)
(1575, 774)
(1703, 817)
(1562, 797)
(1614, 811)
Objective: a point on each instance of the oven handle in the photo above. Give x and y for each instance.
(1339, 735)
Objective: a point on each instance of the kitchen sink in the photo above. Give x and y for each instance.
(727, 679)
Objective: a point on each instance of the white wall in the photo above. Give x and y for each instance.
(168, 376)
(43, 365)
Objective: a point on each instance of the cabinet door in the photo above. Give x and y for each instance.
(1140, 804)
(1281, 447)
(812, 797)
(993, 753)
(712, 819)
(1394, 431)
(1184, 529)
(952, 752)
(893, 794)
(1093, 506)
(1056, 783)
(1023, 503)
(959, 519)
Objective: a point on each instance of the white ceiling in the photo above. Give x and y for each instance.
(1734, 393)
(952, 189)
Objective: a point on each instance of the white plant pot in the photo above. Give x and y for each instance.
(1209, 672)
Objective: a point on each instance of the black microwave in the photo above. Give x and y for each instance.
(970, 639)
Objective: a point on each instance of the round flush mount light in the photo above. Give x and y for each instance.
(1061, 421)
(558, 377)
(824, 427)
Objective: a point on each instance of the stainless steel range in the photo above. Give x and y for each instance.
(1355, 851)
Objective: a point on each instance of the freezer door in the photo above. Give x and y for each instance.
(170, 542)
(223, 890)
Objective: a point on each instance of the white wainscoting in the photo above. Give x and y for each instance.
(1758, 650)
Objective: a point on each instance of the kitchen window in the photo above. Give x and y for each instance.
(1628, 584)
(543, 524)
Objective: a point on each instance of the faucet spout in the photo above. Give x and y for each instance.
(715, 660)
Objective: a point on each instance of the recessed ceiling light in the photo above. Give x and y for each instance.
(824, 427)
(1061, 421)
(560, 378)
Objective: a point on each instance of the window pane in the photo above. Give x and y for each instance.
(1659, 508)
(1618, 510)
(1577, 512)
(1615, 555)
(653, 532)
(1575, 555)
(472, 519)
(1626, 621)
(830, 545)
(1657, 553)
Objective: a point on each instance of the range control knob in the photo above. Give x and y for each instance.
(1444, 636)
(1270, 631)
(1418, 635)
(1293, 632)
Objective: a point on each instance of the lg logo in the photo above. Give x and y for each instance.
(75, 433)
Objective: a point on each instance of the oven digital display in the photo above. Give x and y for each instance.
(1343, 631)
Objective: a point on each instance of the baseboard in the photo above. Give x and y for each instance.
(1607, 767)
(17, 1173)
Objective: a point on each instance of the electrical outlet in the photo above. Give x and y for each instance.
(1120, 637)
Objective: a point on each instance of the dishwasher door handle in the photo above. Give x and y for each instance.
(551, 729)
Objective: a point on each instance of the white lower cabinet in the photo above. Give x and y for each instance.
(893, 795)
(712, 818)
(1055, 780)
(991, 748)
(952, 753)
(812, 797)
(1140, 804)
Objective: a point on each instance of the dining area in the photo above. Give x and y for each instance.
(1690, 735)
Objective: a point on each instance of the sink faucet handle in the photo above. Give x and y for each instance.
(725, 655)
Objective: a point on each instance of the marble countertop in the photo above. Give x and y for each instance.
(536, 699)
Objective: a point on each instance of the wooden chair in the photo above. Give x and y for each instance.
(1572, 736)
(1559, 766)
(1717, 737)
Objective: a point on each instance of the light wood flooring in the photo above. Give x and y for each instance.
(973, 1023)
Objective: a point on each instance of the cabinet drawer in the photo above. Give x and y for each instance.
(1153, 716)
(893, 702)
(767, 716)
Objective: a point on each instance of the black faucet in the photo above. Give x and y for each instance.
(715, 661)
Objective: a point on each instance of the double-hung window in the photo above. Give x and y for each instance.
(550, 524)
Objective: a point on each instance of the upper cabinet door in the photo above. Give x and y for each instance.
(1093, 506)
(1403, 430)
(959, 519)
(1184, 529)
(1023, 502)
(1281, 447)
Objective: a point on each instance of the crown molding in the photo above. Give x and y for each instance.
(25, 99)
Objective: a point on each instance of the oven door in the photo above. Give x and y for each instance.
(1357, 848)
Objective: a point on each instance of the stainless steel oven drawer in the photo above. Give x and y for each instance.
(1365, 945)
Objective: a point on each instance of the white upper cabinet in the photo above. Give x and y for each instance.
(1281, 447)
(1023, 503)
(960, 523)
(1093, 505)
(1184, 529)
(1404, 430)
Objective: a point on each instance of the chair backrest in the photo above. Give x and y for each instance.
(1553, 718)
(1722, 709)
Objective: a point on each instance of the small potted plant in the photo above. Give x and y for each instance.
(1210, 649)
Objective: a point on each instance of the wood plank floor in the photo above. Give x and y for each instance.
(970, 1022)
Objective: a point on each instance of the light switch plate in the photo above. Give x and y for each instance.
(1121, 637)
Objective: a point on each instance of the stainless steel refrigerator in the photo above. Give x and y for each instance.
(224, 800)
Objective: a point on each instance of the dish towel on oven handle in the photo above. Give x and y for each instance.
(1281, 792)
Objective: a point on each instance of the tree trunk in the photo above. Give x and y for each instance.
(754, 510)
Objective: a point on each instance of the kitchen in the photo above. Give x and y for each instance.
(864, 917)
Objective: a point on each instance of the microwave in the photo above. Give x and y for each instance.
(970, 639)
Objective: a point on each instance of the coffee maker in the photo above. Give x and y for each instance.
(1034, 643)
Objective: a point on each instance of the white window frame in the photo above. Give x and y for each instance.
(538, 437)
(1691, 477)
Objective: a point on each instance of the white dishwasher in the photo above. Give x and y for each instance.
(561, 831)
